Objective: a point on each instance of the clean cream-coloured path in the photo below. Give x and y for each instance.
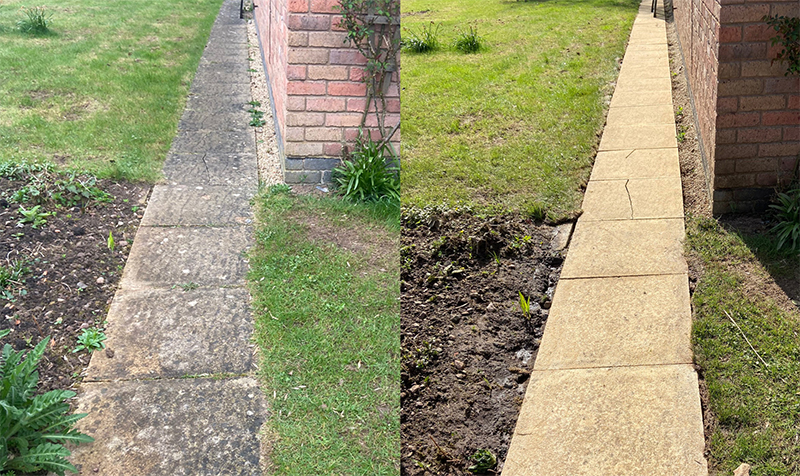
(613, 391)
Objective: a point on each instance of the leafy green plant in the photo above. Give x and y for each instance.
(110, 241)
(91, 339)
(36, 20)
(788, 29)
(367, 176)
(11, 278)
(426, 41)
(468, 40)
(33, 428)
(787, 212)
(484, 461)
(256, 117)
(74, 190)
(33, 216)
(525, 305)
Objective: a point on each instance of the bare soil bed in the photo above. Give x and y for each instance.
(467, 347)
(67, 269)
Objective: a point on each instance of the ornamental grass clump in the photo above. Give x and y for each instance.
(787, 213)
(36, 20)
(369, 175)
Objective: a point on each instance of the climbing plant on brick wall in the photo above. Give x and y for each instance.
(373, 27)
(788, 29)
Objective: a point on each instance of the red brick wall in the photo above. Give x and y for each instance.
(752, 135)
(325, 96)
(697, 22)
(270, 16)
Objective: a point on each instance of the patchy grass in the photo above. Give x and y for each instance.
(753, 392)
(327, 321)
(103, 89)
(514, 126)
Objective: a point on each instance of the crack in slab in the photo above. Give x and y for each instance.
(630, 201)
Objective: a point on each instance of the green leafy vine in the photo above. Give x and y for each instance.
(788, 29)
(373, 27)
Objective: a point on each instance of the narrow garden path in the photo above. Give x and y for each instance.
(613, 390)
(173, 394)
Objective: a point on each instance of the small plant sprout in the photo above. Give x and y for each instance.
(484, 461)
(91, 340)
(110, 241)
(33, 216)
(525, 305)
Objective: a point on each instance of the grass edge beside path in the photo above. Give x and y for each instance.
(755, 403)
(327, 321)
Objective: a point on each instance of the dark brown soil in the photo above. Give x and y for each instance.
(467, 347)
(71, 273)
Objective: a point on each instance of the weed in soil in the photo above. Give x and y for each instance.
(467, 347)
(57, 279)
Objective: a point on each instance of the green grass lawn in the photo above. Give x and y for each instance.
(757, 406)
(103, 91)
(327, 324)
(514, 126)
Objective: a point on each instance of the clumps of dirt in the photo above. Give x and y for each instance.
(66, 269)
(467, 346)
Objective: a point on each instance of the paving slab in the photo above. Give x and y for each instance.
(228, 35)
(625, 248)
(611, 322)
(214, 142)
(185, 427)
(211, 74)
(209, 88)
(634, 164)
(211, 104)
(165, 257)
(236, 70)
(641, 97)
(647, 70)
(236, 170)
(172, 333)
(641, 114)
(194, 120)
(646, 61)
(632, 199)
(198, 205)
(628, 421)
(639, 136)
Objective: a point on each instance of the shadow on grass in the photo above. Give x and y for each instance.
(782, 264)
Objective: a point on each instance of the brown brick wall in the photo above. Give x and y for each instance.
(324, 94)
(270, 16)
(750, 124)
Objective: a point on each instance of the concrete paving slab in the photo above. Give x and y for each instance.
(611, 322)
(217, 54)
(625, 248)
(629, 421)
(628, 82)
(228, 35)
(214, 142)
(211, 104)
(165, 257)
(226, 67)
(187, 427)
(172, 333)
(645, 70)
(198, 205)
(193, 120)
(236, 170)
(634, 164)
(633, 115)
(638, 136)
(207, 88)
(643, 62)
(217, 75)
(627, 97)
(632, 199)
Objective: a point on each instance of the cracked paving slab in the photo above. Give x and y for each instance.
(633, 199)
(183, 427)
(236, 170)
(214, 142)
(172, 333)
